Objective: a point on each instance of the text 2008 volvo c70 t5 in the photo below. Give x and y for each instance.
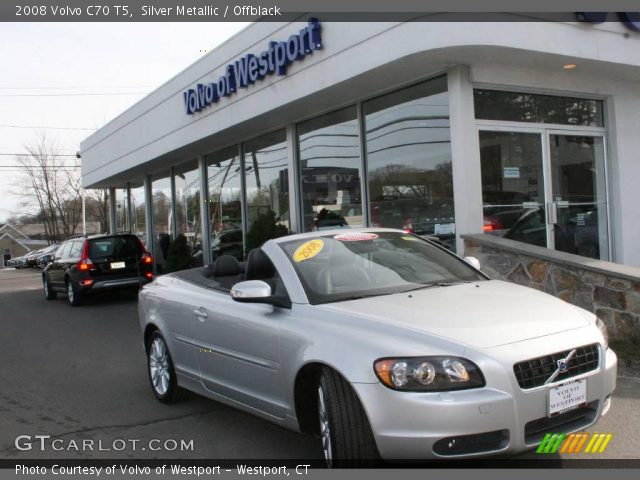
(382, 343)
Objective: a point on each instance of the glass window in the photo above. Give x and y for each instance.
(76, 249)
(512, 184)
(225, 203)
(267, 184)
(408, 146)
(578, 189)
(329, 155)
(122, 215)
(187, 181)
(162, 221)
(64, 251)
(138, 213)
(528, 107)
(114, 247)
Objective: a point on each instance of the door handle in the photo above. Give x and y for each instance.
(552, 213)
(201, 313)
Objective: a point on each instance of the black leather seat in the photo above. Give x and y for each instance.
(260, 267)
(227, 271)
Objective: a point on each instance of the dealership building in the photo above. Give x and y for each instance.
(527, 130)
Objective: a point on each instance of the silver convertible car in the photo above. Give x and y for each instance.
(383, 344)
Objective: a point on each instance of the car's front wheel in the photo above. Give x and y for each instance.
(162, 375)
(49, 294)
(345, 432)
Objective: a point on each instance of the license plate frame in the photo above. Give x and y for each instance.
(118, 265)
(566, 397)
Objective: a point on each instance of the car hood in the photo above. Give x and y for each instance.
(480, 314)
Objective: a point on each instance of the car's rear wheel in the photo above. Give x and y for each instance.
(73, 294)
(49, 294)
(345, 432)
(162, 375)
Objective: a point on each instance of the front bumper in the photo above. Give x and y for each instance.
(499, 418)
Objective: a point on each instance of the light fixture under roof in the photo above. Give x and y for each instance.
(569, 66)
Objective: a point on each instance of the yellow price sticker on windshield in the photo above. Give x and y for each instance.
(308, 250)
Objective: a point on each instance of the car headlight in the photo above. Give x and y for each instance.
(605, 333)
(428, 374)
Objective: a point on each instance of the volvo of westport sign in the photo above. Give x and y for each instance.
(251, 68)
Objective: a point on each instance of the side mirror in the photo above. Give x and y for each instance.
(473, 261)
(257, 291)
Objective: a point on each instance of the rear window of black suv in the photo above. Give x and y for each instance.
(115, 247)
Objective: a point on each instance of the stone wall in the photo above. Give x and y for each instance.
(609, 290)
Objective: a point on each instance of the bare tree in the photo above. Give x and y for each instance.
(52, 185)
(97, 207)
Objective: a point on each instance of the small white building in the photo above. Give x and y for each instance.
(525, 129)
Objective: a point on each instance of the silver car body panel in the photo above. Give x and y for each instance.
(249, 355)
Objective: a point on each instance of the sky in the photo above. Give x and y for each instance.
(76, 77)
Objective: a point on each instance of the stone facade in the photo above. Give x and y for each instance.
(600, 287)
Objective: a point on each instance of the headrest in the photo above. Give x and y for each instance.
(259, 266)
(226, 265)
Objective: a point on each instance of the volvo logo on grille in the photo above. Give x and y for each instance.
(562, 365)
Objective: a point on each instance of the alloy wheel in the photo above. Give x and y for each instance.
(325, 429)
(159, 366)
(70, 291)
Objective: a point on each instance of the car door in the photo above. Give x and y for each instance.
(73, 256)
(239, 354)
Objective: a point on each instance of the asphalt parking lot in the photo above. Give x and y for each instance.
(80, 374)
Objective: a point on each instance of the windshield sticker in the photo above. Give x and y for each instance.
(355, 237)
(308, 250)
(409, 238)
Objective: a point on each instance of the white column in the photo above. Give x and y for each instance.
(465, 151)
(148, 214)
(174, 217)
(112, 210)
(204, 210)
(294, 186)
(129, 211)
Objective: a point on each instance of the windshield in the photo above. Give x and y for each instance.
(354, 265)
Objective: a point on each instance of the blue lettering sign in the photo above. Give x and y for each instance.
(631, 20)
(249, 69)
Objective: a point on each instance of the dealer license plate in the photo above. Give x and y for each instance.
(116, 265)
(567, 397)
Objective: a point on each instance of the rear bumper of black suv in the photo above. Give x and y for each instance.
(112, 284)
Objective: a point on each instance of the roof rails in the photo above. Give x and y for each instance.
(82, 235)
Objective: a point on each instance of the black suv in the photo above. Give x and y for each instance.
(100, 262)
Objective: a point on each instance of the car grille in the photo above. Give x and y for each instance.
(536, 371)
